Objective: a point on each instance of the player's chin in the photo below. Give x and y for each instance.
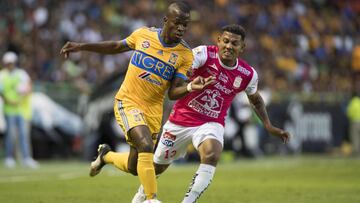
(228, 57)
(177, 39)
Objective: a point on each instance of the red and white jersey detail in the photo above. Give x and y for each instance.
(212, 103)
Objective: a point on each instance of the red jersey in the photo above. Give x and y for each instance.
(212, 103)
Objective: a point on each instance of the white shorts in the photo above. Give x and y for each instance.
(175, 139)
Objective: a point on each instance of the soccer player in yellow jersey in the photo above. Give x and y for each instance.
(160, 62)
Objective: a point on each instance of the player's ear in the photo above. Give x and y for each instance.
(165, 19)
(242, 47)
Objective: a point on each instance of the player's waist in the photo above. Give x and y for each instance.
(190, 118)
(151, 109)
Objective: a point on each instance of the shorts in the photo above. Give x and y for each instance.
(175, 139)
(129, 115)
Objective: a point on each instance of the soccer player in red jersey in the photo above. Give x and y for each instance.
(199, 117)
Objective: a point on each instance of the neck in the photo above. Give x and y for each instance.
(165, 38)
(229, 63)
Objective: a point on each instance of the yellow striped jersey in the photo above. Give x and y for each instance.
(152, 66)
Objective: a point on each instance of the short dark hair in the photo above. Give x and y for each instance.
(236, 29)
(182, 5)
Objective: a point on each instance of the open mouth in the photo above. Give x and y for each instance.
(227, 53)
(179, 35)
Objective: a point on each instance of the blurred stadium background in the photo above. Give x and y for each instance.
(307, 54)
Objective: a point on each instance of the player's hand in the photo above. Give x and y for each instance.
(285, 136)
(200, 83)
(70, 47)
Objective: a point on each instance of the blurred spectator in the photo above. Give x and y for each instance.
(304, 46)
(353, 112)
(2, 118)
(16, 86)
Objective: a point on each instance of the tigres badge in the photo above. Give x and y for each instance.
(145, 44)
(237, 82)
(173, 58)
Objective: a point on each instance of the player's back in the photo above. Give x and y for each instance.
(152, 66)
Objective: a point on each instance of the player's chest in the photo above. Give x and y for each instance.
(228, 83)
(154, 49)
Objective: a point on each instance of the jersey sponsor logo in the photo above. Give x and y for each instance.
(237, 82)
(223, 88)
(244, 71)
(169, 139)
(208, 103)
(145, 44)
(223, 77)
(146, 76)
(173, 58)
(152, 65)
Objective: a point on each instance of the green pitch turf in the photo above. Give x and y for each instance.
(266, 180)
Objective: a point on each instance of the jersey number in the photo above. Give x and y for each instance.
(169, 154)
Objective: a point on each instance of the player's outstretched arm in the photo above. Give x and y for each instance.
(259, 106)
(180, 88)
(105, 47)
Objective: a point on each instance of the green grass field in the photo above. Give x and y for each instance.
(266, 180)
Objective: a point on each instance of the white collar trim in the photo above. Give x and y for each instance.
(227, 67)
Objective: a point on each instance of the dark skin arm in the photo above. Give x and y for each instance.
(258, 105)
(178, 87)
(105, 47)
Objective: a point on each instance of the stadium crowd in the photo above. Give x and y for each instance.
(294, 45)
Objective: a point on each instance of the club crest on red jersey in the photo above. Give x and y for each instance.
(237, 82)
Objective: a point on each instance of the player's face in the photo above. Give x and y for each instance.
(176, 24)
(230, 46)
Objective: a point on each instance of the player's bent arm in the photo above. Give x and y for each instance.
(258, 105)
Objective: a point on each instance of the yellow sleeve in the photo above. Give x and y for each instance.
(131, 39)
(185, 68)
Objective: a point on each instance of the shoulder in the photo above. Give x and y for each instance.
(245, 68)
(199, 49)
(185, 49)
(141, 30)
(185, 44)
(212, 51)
(200, 52)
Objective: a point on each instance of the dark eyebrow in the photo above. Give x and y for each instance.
(182, 19)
